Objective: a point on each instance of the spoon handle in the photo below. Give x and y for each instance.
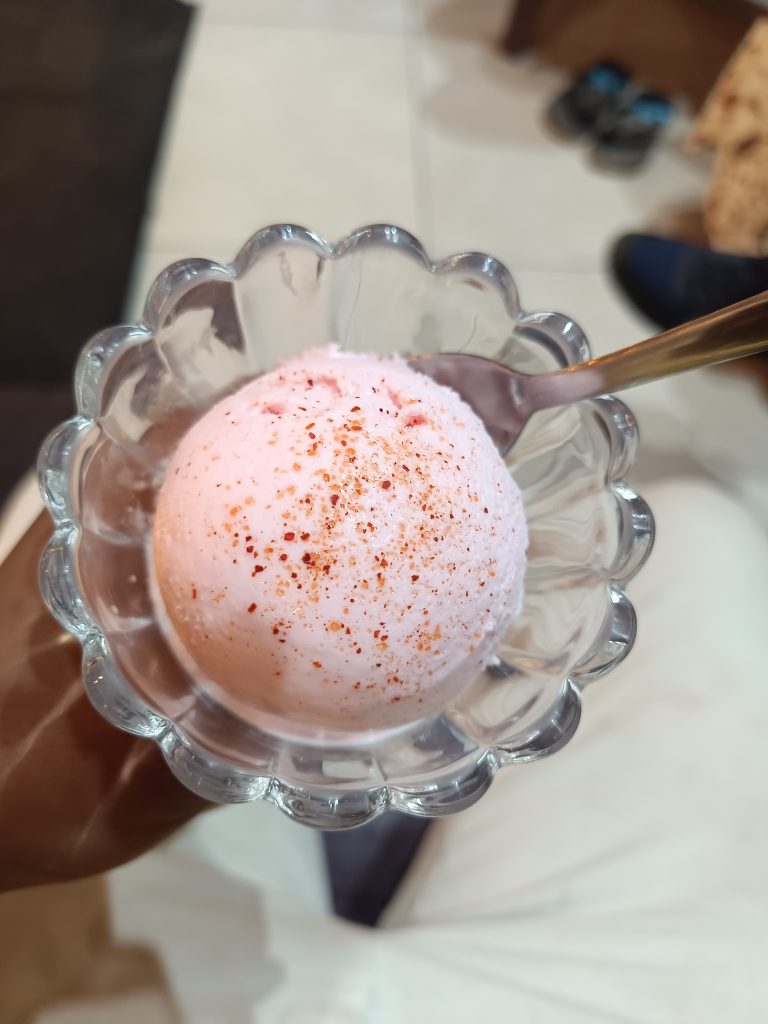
(738, 330)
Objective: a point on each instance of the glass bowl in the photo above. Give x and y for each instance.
(206, 329)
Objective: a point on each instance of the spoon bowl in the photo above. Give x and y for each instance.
(506, 399)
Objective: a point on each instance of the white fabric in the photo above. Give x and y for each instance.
(623, 880)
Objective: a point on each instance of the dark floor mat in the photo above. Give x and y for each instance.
(366, 864)
(84, 87)
(27, 413)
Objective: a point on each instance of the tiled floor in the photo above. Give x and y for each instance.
(398, 110)
(335, 113)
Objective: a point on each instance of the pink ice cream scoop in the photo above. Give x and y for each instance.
(339, 543)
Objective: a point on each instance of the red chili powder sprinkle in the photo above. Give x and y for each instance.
(414, 578)
(386, 485)
(289, 536)
(251, 609)
(334, 499)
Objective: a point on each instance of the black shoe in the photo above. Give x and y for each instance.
(592, 101)
(672, 282)
(624, 143)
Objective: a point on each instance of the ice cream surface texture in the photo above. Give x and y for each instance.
(338, 543)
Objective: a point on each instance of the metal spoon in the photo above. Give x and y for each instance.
(506, 399)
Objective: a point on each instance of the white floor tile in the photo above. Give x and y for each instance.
(341, 15)
(467, 19)
(276, 124)
(492, 176)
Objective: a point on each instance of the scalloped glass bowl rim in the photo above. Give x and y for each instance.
(317, 806)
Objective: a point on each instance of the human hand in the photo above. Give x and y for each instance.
(77, 796)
